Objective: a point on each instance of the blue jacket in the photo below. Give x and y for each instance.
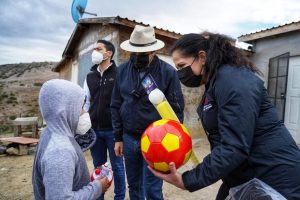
(131, 110)
(247, 138)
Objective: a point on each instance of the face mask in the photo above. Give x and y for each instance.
(188, 78)
(84, 124)
(140, 61)
(97, 57)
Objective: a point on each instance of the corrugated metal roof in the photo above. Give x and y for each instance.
(270, 31)
(274, 27)
(141, 23)
(67, 54)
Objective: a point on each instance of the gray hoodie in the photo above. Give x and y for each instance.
(60, 170)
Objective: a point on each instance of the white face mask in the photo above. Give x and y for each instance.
(97, 57)
(84, 124)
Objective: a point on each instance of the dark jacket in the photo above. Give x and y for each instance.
(247, 138)
(132, 112)
(100, 88)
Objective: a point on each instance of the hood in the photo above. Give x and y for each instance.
(61, 102)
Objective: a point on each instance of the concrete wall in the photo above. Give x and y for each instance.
(66, 71)
(274, 46)
(192, 98)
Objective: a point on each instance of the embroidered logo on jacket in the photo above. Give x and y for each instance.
(206, 105)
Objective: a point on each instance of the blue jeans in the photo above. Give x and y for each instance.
(141, 182)
(105, 141)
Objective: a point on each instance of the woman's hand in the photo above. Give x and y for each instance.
(174, 177)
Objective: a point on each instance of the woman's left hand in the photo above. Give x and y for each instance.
(174, 177)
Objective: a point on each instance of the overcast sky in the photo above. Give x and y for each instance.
(38, 30)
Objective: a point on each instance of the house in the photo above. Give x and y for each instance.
(277, 54)
(76, 58)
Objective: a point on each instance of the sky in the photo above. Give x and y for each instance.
(38, 30)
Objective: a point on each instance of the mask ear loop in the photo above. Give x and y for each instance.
(84, 101)
(202, 72)
(106, 57)
(151, 57)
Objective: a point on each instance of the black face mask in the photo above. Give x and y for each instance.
(140, 61)
(188, 78)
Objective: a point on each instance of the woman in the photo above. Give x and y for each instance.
(60, 170)
(247, 139)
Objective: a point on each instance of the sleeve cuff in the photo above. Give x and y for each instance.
(188, 181)
(118, 137)
(97, 185)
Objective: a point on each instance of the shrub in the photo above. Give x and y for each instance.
(13, 98)
(4, 95)
(9, 101)
(12, 117)
(5, 129)
(38, 84)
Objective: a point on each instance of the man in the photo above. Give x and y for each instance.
(98, 87)
(132, 112)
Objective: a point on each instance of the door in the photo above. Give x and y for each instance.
(292, 114)
(85, 64)
(74, 76)
(277, 81)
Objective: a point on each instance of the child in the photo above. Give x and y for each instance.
(60, 170)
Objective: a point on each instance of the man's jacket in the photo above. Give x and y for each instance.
(132, 112)
(100, 89)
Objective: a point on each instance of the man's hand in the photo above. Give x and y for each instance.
(119, 149)
(104, 183)
(174, 177)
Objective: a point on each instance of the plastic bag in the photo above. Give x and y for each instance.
(254, 189)
(87, 140)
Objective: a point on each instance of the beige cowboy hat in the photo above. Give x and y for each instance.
(142, 39)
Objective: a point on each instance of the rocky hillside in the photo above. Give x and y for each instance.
(19, 89)
(20, 85)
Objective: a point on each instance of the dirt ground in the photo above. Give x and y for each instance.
(15, 178)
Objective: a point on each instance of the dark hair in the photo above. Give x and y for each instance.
(219, 50)
(108, 45)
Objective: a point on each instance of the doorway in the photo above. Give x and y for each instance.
(277, 82)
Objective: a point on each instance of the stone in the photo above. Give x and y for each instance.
(12, 151)
(2, 150)
(23, 149)
(31, 150)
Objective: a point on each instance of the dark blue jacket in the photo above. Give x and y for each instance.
(247, 138)
(131, 110)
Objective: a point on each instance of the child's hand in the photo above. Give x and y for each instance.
(104, 183)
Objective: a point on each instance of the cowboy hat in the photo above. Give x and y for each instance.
(142, 39)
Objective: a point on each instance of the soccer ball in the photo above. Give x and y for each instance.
(166, 141)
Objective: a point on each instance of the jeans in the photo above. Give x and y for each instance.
(105, 141)
(141, 182)
(223, 192)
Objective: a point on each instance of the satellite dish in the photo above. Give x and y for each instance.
(78, 8)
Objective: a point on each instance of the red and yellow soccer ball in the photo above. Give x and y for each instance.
(166, 141)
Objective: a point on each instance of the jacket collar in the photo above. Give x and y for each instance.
(94, 68)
